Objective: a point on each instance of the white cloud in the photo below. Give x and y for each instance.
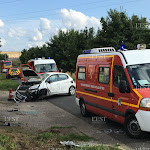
(1, 24)
(77, 20)
(40, 44)
(34, 44)
(64, 30)
(18, 32)
(29, 45)
(37, 35)
(45, 24)
(3, 42)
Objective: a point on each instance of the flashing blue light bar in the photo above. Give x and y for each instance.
(37, 58)
(49, 58)
(122, 47)
(88, 51)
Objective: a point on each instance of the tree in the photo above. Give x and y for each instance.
(118, 28)
(3, 56)
(65, 47)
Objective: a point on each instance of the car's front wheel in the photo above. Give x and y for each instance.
(72, 90)
(132, 127)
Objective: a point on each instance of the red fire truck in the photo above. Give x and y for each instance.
(115, 84)
(5, 65)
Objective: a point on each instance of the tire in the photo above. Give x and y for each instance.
(29, 97)
(132, 127)
(83, 109)
(42, 94)
(71, 91)
(8, 76)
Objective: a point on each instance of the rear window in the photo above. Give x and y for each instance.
(13, 69)
(62, 77)
(7, 63)
(81, 73)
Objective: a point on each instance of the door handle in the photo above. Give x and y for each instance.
(111, 94)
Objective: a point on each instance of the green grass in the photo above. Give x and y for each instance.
(6, 84)
(66, 137)
(45, 136)
(74, 137)
(100, 147)
(6, 143)
(16, 138)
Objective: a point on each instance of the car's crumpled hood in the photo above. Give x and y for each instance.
(30, 75)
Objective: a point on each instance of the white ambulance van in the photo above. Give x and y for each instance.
(115, 84)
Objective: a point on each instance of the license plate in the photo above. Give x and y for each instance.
(19, 96)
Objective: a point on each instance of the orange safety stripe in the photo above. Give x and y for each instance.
(96, 56)
(111, 75)
(140, 96)
(108, 99)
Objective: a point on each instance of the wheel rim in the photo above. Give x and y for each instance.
(72, 90)
(83, 108)
(134, 128)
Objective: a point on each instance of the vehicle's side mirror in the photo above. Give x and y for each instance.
(123, 86)
(49, 82)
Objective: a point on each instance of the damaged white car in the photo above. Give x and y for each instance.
(39, 86)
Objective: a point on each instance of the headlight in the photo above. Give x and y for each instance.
(34, 87)
(145, 102)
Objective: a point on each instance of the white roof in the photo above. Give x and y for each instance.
(43, 61)
(51, 73)
(129, 57)
(137, 56)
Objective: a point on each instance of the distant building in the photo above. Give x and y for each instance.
(12, 55)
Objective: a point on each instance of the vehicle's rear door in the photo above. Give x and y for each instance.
(64, 83)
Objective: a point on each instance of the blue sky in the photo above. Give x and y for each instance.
(27, 23)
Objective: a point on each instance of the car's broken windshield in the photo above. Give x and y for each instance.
(43, 76)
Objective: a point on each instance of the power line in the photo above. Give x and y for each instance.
(85, 9)
(54, 9)
(9, 2)
(53, 14)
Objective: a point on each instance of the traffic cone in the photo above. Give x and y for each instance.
(10, 95)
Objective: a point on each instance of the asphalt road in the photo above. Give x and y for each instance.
(114, 130)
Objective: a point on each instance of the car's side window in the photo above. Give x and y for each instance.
(62, 77)
(52, 78)
(118, 75)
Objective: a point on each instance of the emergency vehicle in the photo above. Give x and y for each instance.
(41, 65)
(115, 84)
(13, 72)
(5, 65)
